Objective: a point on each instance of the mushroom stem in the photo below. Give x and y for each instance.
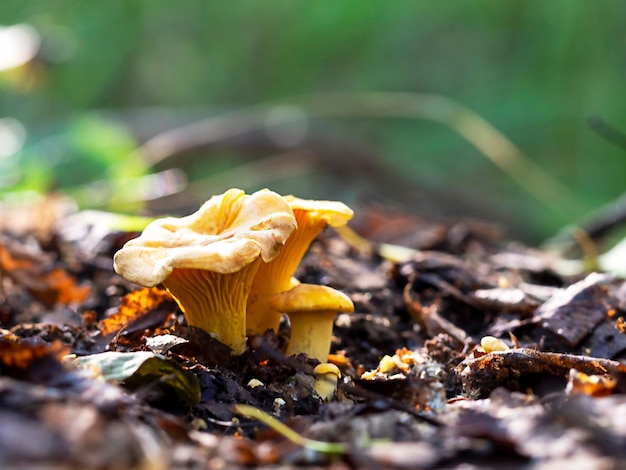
(215, 302)
(296, 246)
(259, 316)
(279, 274)
(311, 333)
(326, 377)
(311, 309)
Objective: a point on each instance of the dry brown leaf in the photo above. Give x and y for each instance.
(38, 363)
(64, 288)
(576, 310)
(36, 215)
(51, 287)
(595, 385)
(134, 306)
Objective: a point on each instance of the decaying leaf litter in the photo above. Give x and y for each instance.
(98, 373)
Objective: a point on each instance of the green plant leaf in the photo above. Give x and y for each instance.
(144, 369)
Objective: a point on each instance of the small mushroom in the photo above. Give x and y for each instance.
(491, 344)
(277, 276)
(207, 260)
(311, 309)
(326, 377)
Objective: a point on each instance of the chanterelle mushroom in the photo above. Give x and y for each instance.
(326, 377)
(311, 311)
(277, 276)
(207, 260)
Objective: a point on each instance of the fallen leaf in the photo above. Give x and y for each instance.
(575, 311)
(594, 385)
(504, 299)
(49, 286)
(144, 369)
(138, 310)
(37, 363)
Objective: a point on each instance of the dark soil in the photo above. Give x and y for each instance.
(418, 390)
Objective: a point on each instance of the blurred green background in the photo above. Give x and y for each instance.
(110, 75)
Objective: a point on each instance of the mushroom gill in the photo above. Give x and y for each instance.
(207, 260)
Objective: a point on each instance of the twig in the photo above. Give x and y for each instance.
(608, 132)
(480, 133)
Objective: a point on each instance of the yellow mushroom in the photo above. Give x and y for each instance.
(207, 260)
(277, 276)
(326, 377)
(311, 311)
(491, 344)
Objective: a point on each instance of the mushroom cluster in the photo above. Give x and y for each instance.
(230, 266)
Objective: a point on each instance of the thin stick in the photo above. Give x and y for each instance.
(480, 133)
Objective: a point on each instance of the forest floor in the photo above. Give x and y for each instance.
(474, 352)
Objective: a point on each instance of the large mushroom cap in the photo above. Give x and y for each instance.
(334, 213)
(228, 232)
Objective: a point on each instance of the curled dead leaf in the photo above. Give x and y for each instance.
(38, 363)
(138, 305)
(49, 286)
(595, 385)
